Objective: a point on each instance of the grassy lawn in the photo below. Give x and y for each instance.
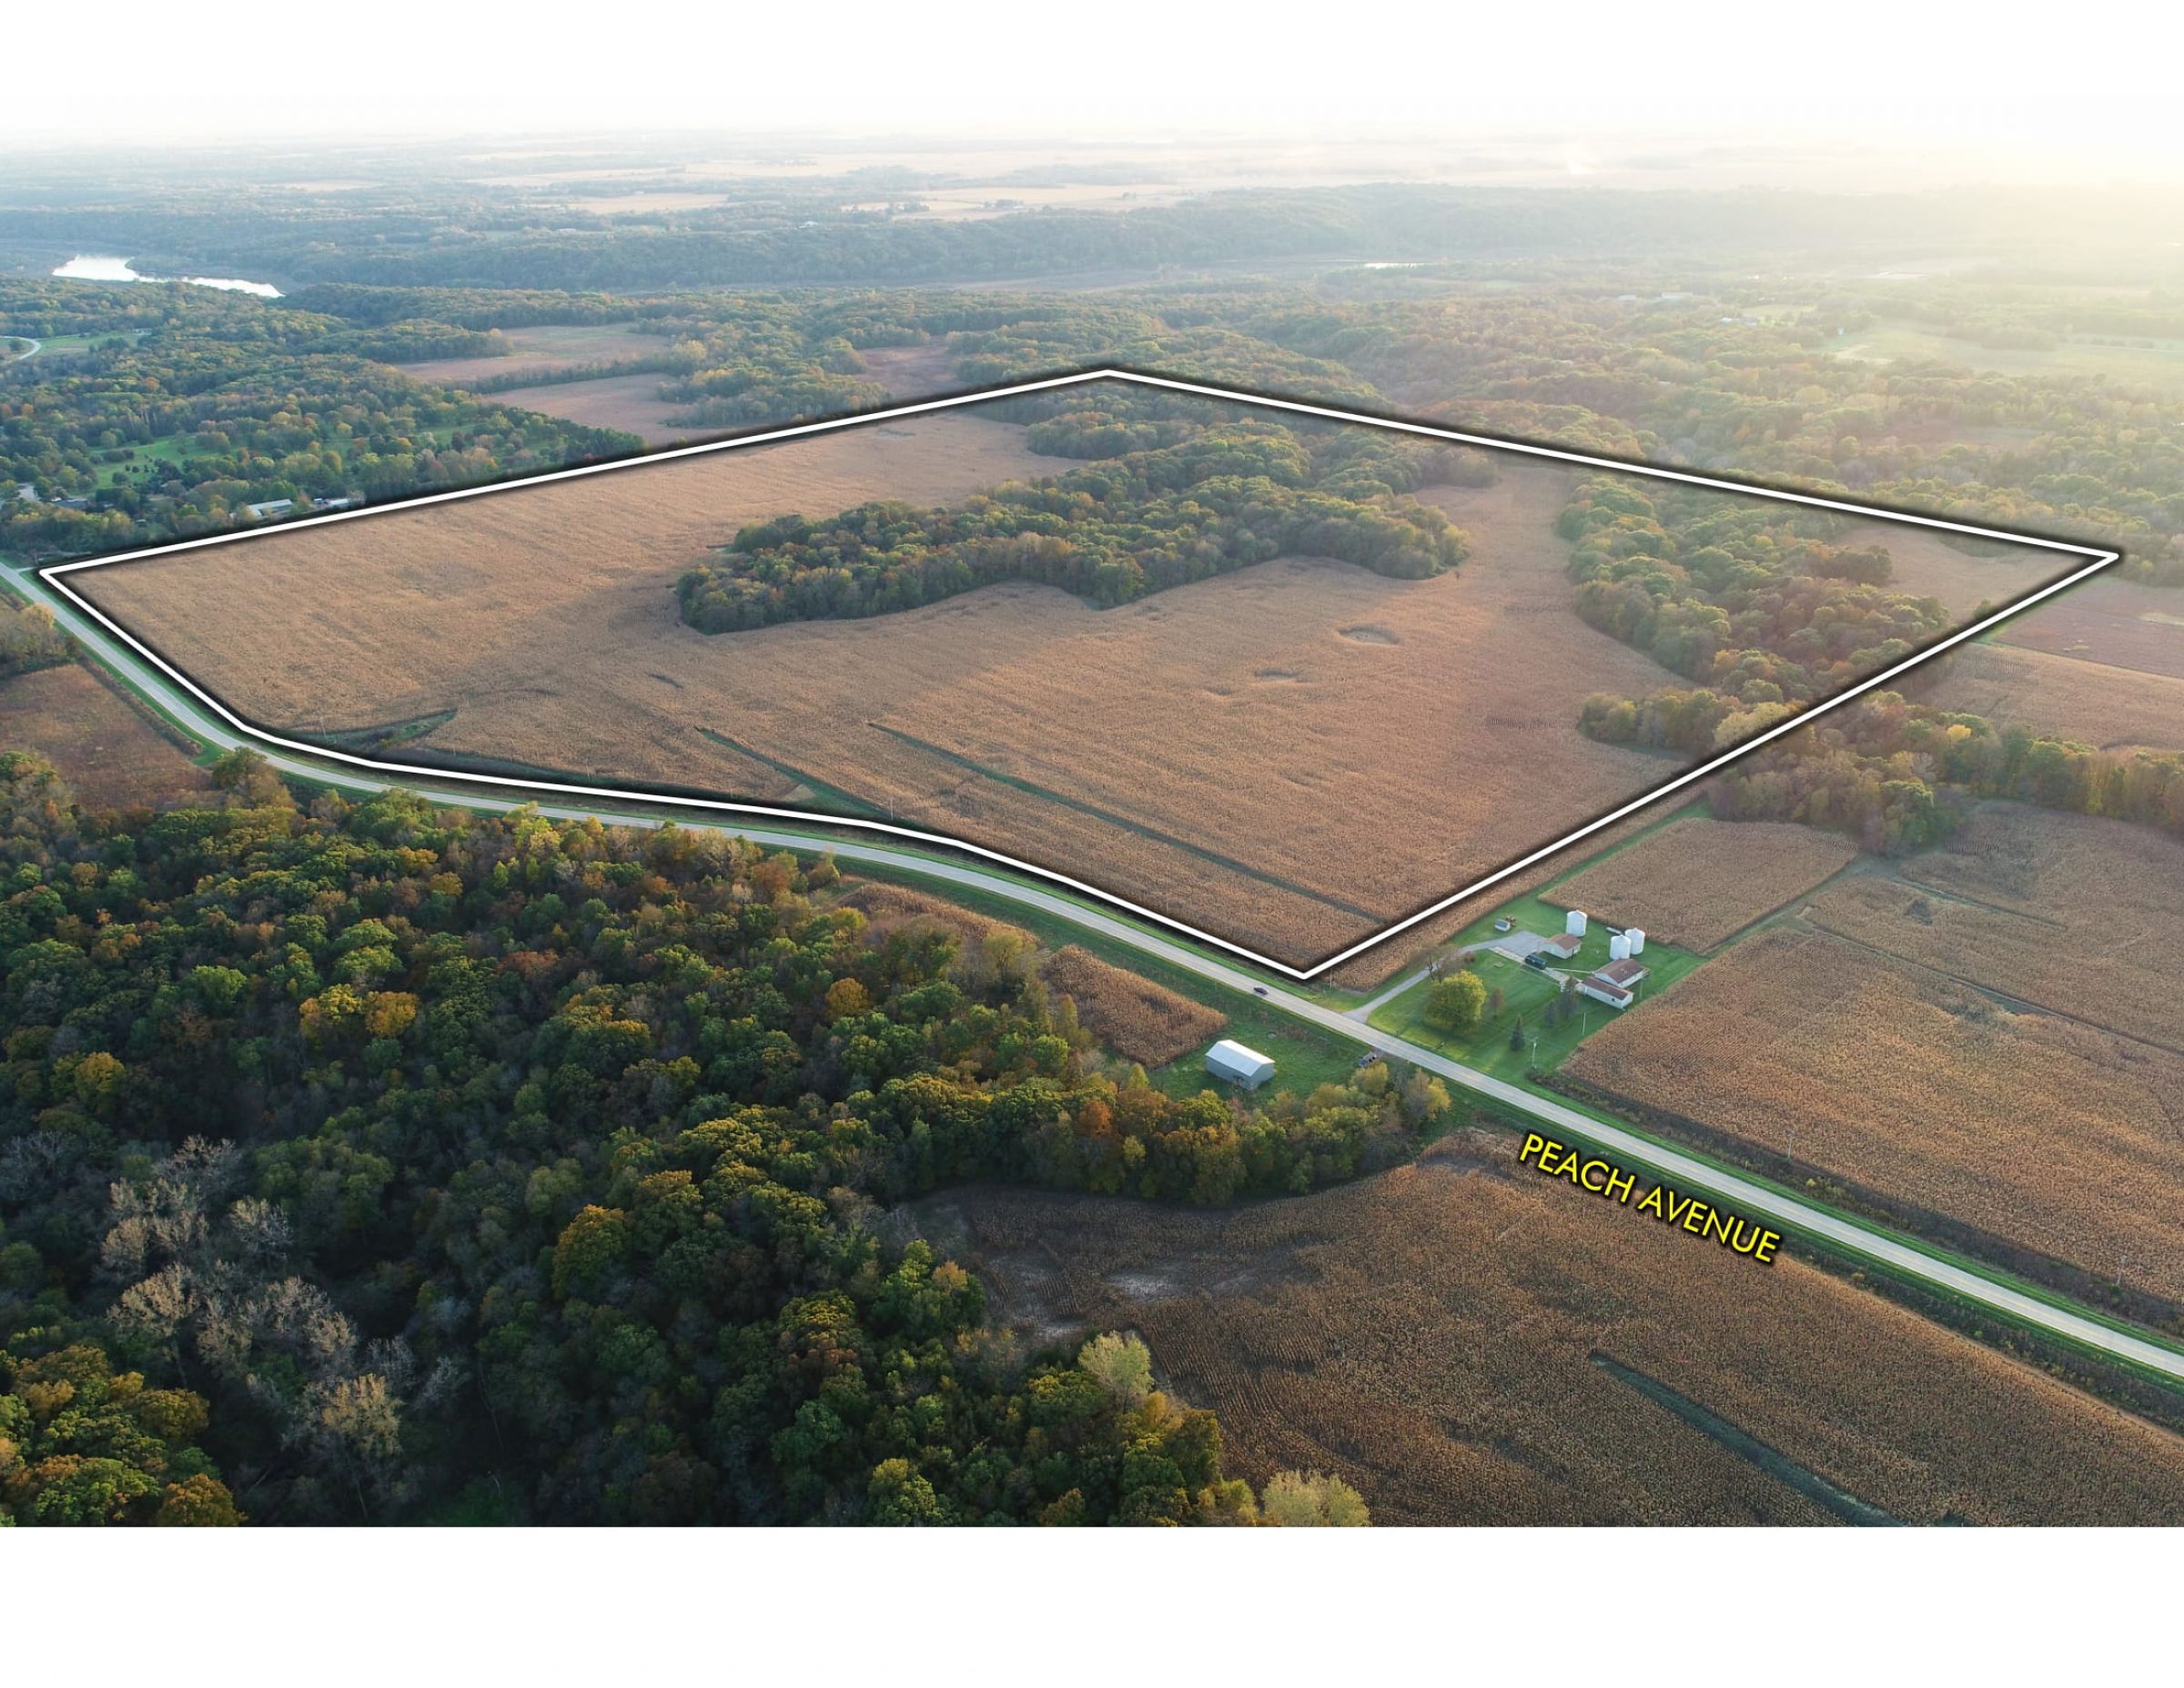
(1526, 992)
(1304, 1056)
(152, 460)
(78, 342)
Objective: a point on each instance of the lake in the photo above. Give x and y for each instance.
(86, 267)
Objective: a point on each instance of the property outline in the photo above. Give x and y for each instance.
(2098, 559)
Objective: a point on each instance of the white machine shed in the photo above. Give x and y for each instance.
(1231, 1061)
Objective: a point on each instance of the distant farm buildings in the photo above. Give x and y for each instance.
(270, 509)
(1232, 1063)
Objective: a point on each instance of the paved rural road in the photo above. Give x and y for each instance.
(1731, 1191)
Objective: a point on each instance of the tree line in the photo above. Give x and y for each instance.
(1900, 776)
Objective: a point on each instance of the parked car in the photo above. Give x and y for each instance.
(1536, 960)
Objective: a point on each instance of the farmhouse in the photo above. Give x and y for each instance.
(1231, 1061)
(1624, 974)
(1606, 990)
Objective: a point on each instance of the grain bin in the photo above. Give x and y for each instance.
(1619, 947)
(1573, 923)
(1637, 937)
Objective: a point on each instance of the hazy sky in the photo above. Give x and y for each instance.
(2086, 91)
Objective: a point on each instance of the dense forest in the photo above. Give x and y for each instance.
(1747, 597)
(381, 1163)
(180, 406)
(1218, 497)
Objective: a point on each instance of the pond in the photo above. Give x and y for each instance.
(88, 268)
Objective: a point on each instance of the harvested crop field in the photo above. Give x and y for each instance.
(1932, 566)
(2043, 1134)
(1699, 882)
(910, 372)
(549, 593)
(628, 402)
(1139, 1020)
(111, 755)
(2119, 622)
(1106, 743)
(2089, 702)
(2067, 913)
(1431, 1334)
(543, 350)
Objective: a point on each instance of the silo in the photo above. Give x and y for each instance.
(1619, 947)
(1637, 937)
(1574, 923)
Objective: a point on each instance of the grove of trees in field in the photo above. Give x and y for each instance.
(1218, 499)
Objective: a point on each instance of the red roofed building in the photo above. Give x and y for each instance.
(1605, 990)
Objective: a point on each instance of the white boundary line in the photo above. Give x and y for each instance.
(2098, 559)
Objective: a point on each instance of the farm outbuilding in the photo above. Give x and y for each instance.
(1637, 937)
(1619, 947)
(1563, 947)
(1573, 923)
(1605, 990)
(1623, 973)
(1234, 1064)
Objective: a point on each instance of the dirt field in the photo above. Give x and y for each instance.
(2051, 1136)
(1404, 735)
(1140, 1021)
(1700, 882)
(112, 756)
(541, 351)
(1429, 1335)
(2060, 912)
(2119, 622)
(910, 372)
(1928, 565)
(2109, 708)
(630, 402)
(639, 204)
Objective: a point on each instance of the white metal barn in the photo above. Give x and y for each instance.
(1232, 1062)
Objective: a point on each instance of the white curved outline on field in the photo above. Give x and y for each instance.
(2098, 559)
